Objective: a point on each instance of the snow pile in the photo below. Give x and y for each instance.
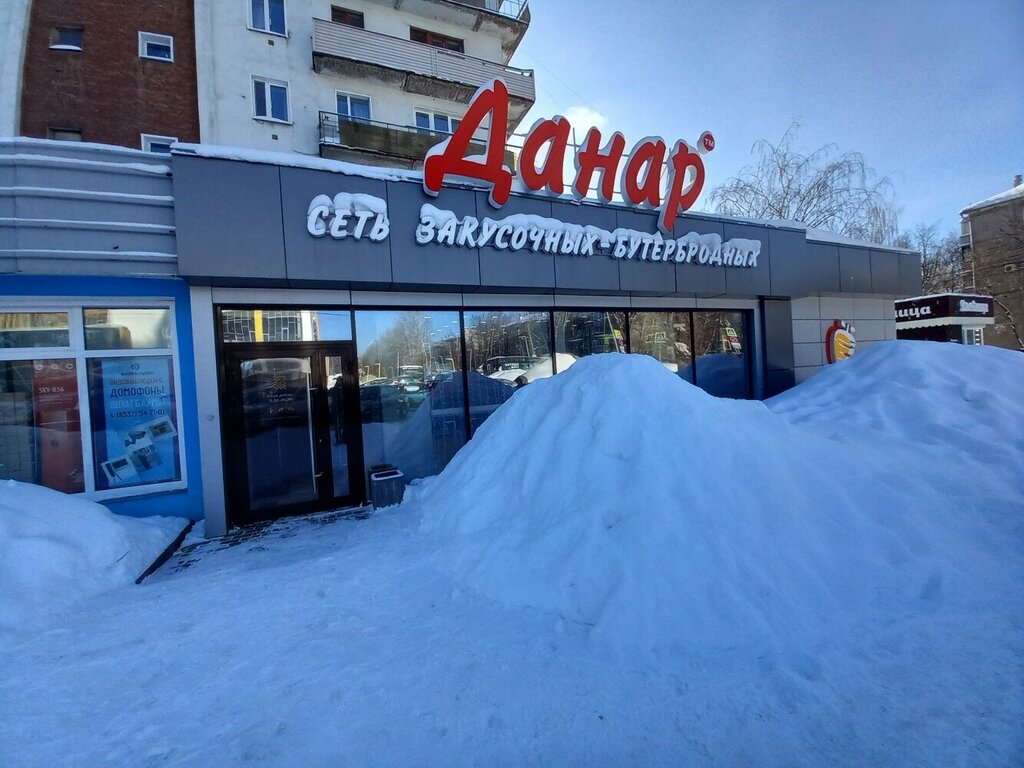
(56, 549)
(661, 521)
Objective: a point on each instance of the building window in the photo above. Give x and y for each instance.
(64, 134)
(154, 46)
(410, 389)
(722, 357)
(578, 334)
(107, 373)
(66, 39)
(437, 40)
(666, 337)
(353, 107)
(267, 16)
(345, 16)
(965, 233)
(161, 144)
(270, 100)
(436, 122)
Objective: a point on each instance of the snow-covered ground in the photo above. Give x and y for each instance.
(617, 570)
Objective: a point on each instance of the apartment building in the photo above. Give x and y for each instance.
(992, 236)
(370, 81)
(107, 71)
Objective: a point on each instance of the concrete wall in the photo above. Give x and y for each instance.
(872, 317)
(229, 54)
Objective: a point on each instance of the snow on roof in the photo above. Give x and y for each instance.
(950, 293)
(294, 160)
(824, 236)
(1002, 197)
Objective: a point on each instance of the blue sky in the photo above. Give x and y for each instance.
(932, 93)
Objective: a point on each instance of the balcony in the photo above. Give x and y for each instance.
(414, 67)
(341, 136)
(507, 20)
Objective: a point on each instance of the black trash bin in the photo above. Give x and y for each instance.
(387, 486)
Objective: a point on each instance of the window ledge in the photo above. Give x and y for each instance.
(65, 48)
(156, 58)
(272, 120)
(284, 34)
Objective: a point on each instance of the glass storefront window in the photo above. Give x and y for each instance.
(722, 356)
(40, 429)
(21, 330)
(134, 421)
(269, 325)
(127, 328)
(578, 334)
(665, 336)
(410, 389)
(504, 351)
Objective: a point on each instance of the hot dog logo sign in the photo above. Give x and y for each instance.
(640, 173)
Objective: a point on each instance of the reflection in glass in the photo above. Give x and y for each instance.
(336, 414)
(410, 389)
(33, 329)
(40, 429)
(665, 336)
(269, 325)
(127, 328)
(721, 352)
(504, 351)
(578, 334)
(278, 431)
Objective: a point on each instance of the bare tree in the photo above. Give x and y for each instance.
(825, 189)
(942, 265)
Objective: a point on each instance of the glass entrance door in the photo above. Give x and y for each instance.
(291, 430)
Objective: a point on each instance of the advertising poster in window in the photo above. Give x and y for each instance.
(55, 400)
(135, 433)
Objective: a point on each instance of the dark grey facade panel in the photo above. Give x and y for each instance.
(228, 219)
(752, 281)
(778, 334)
(777, 382)
(241, 222)
(819, 273)
(790, 270)
(854, 270)
(326, 259)
(885, 272)
(599, 274)
(699, 279)
(910, 274)
(519, 269)
(637, 276)
(431, 264)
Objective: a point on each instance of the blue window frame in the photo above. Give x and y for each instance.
(355, 108)
(270, 100)
(268, 16)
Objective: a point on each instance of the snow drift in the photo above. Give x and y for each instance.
(658, 519)
(56, 549)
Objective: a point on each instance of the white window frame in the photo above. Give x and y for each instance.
(432, 113)
(74, 307)
(267, 82)
(155, 37)
(266, 15)
(350, 94)
(148, 139)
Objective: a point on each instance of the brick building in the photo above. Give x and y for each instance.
(111, 72)
(992, 236)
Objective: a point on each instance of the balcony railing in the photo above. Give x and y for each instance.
(394, 53)
(405, 141)
(512, 9)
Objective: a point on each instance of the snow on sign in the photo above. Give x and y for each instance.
(640, 177)
(529, 232)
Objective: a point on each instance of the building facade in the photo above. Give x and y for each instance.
(344, 320)
(992, 234)
(364, 80)
(110, 72)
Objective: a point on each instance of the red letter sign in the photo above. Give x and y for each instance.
(607, 159)
(682, 160)
(556, 133)
(649, 152)
(449, 157)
